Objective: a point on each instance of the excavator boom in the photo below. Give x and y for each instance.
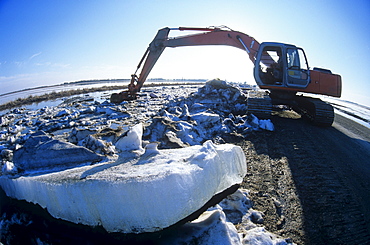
(208, 36)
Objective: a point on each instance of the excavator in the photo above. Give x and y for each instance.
(279, 68)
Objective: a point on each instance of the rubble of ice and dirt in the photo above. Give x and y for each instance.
(95, 135)
(216, 111)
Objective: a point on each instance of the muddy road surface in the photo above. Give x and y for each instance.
(311, 183)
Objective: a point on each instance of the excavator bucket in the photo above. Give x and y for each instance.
(117, 98)
(129, 94)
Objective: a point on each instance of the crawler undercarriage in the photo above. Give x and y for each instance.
(315, 110)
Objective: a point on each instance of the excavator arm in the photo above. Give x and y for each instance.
(208, 36)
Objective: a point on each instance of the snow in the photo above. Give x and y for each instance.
(154, 165)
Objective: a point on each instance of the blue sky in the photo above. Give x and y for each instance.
(50, 42)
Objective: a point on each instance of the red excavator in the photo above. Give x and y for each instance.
(280, 68)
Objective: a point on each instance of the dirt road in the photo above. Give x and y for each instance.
(312, 183)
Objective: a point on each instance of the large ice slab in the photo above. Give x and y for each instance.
(135, 194)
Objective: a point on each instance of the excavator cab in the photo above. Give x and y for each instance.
(281, 65)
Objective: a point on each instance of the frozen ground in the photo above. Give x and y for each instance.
(173, 117)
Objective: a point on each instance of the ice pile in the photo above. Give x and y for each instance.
(216, 111)
(141, 192)
(219, 225)
(111, 164)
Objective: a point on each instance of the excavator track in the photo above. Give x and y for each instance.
(317, 111)
(259, 104)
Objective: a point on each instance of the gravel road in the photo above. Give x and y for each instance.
(311, 183)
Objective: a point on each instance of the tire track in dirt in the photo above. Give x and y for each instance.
(302, 178)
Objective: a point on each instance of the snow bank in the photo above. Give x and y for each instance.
(134, 195)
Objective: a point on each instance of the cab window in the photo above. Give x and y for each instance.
(296, 59)
(271, 66)
(297, 67)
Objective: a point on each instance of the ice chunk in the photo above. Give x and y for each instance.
(142, 194)
(259, 235)
(210, 228)
(79, 134)
(98, 146)
(153, 95)
(151, 149)
(185, 112)
(255, 122)
(62, 113)
(170, 116)
(6, 154)
(266, 124)
(256, 216)
(262, 123)
(9, 168)
(131, 141)
(237, 201)
(173, 141)
(197, 107)
(3, 121)
(218, 84)
(43, 152)
(206, 118)
(15, 129)
(188, 133)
